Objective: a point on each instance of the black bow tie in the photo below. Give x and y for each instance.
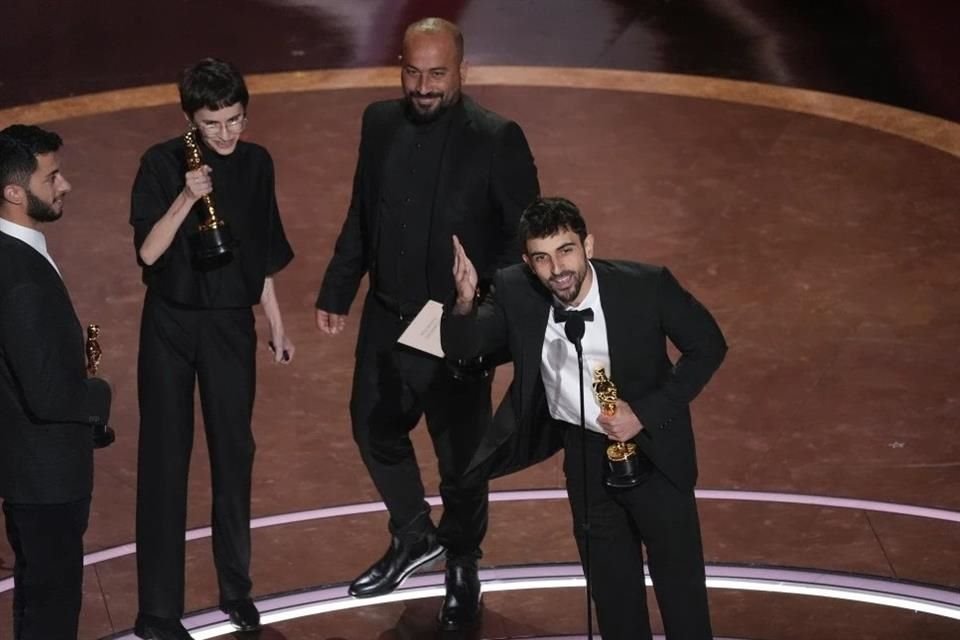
(562, 315)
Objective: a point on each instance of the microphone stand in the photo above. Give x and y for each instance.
(574, 327)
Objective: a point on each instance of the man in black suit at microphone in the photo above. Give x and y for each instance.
(622, 313)
(49, 408)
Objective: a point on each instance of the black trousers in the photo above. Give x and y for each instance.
(394, 387)
(656, 515)
(180, 348)
(47, 542)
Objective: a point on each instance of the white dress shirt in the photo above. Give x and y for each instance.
(559, 366)
(31, 236)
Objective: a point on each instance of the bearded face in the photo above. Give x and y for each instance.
(431, 74)
(42, 211)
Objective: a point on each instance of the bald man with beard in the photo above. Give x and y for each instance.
(431, 164)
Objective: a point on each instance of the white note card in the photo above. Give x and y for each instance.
(423, 334)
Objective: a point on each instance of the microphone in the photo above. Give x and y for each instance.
(574, 327)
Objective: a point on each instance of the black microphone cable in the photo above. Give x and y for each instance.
(575, 327)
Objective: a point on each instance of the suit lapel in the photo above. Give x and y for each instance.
(456, 145)
(533, 349)
(617, 316)
(380, 160)
(43, 273)
(533, 328)
(36, 256)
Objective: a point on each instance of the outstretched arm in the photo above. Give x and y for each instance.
(470, 329)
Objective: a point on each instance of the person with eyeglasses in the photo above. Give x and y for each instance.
(49, 406)
(198, 328)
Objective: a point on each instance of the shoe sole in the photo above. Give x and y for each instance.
(421, 563)
(467, 625)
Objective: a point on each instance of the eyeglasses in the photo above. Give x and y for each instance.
(236, 124)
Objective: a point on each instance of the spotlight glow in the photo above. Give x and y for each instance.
(855, 588)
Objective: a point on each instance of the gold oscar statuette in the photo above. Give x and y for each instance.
(93, 349)
(103, 436)
(213, 243)
(622, 457)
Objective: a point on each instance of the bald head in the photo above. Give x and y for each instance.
(431, 68)
(435, 27)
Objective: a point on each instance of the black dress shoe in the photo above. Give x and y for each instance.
(461, 605)
(396, 565)
(154, 628)
(243, 614)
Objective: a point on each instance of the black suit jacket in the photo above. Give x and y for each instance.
(644, 306)
(47, 403)
(487, 178)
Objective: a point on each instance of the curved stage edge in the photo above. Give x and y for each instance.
(872, 590)
(928, 130)
(861, 587)
(324, 513)
(284, 607)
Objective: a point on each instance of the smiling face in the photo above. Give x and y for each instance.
(560, 263)
(47, 189)
(431, 73)
(220, 129)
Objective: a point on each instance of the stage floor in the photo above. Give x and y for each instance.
(821, 232)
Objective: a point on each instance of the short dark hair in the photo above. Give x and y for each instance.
(211, 84)
(20, 144)
(548, 216)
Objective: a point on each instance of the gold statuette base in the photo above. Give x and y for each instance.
(624, 468)
(213, 243)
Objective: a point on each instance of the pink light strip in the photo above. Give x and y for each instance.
(831, 501)
(209, 624)
(543, 494)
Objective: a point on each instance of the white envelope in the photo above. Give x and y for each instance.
(423, 334)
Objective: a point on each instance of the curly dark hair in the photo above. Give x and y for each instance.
(548, 216)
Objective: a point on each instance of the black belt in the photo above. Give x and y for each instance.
(405, 311)
(590, 432)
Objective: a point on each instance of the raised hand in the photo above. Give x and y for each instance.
(465, 278)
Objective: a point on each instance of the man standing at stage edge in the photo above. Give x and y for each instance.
(430, 165)
(50, 410)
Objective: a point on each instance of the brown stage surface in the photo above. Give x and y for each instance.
(821, 231)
